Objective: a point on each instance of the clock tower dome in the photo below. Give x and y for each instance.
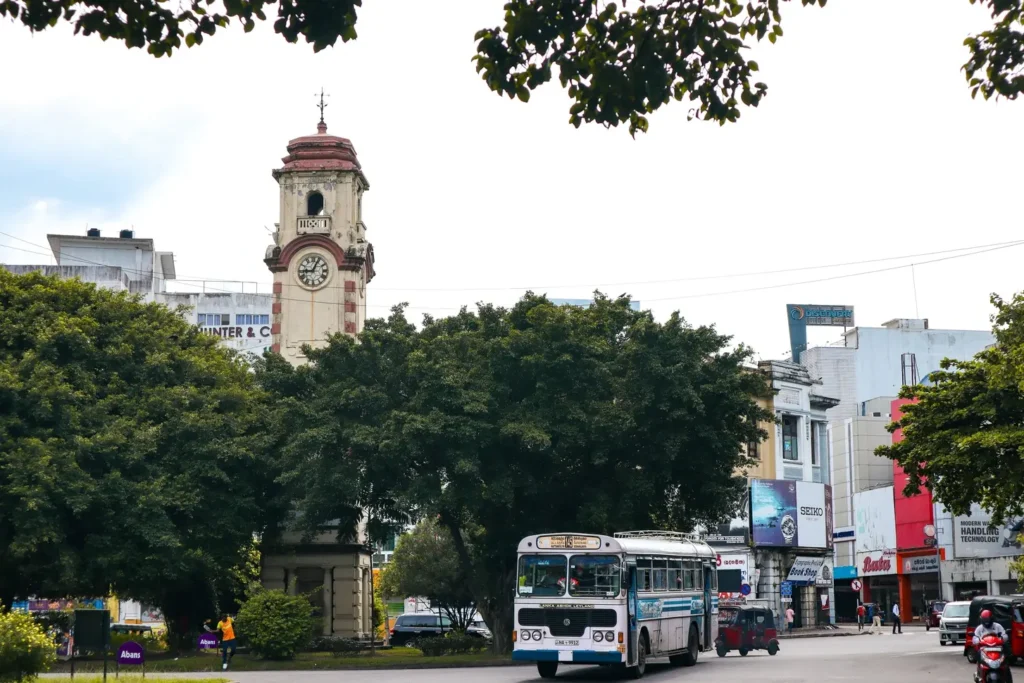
(321, 259)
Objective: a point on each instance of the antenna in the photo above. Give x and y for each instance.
(322, 105)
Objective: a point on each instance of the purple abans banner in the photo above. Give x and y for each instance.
(207, 641)
(773, 513)
(131, 653)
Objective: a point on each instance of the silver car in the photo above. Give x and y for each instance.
(953, 624)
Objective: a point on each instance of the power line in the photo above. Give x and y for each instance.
(721, 276)
(978, 250)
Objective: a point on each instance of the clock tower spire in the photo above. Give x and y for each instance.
(321, 258)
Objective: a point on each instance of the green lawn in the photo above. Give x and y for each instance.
(399, 658)
(137, 678)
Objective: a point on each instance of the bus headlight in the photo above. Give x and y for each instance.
(608, 636)
(526, 635)
(598, 636)
(537, 635)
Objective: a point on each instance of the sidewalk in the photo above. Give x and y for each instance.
(821, 632)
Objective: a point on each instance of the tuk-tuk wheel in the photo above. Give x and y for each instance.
(773, 648)
(721, 650)
(743, 652)
(972, 656)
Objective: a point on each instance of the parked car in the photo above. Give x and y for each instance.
(953, 623)
(479, 629)
(411, 627)
(933, 614)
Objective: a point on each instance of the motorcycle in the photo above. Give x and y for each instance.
(993, 666)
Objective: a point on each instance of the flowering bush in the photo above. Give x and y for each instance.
(25, 648)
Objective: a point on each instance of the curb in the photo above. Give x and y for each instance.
(822, 634)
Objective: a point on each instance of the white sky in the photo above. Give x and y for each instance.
(867, 146)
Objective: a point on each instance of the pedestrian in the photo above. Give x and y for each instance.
(226, 626)
(860, 616)
(896, 624)
(790, 615)
(876, 618)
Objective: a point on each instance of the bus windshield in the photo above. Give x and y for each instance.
(542, 575)
(595, 575)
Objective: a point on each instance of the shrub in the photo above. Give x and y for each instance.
(451, 644)
(276, 625)
(339, 647)
(26, 650)
(150, 642)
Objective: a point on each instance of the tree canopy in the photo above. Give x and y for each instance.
(964, 437)
(425, 564)
(132, 454)
(618, 63)
(507, 422)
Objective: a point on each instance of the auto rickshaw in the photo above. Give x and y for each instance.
(933, 614)
(1008, 611)
(745, 628)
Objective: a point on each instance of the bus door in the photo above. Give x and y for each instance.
(632, 610)
(708, 636)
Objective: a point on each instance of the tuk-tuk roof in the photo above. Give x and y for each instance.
(1001, 606)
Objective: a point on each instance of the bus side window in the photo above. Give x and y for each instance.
(661, 574)
(688, 575)
(714, 579)
(643, 575)
(675, 575)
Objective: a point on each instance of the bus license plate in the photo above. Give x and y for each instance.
(572, 643)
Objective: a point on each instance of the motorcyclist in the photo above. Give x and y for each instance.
(990, 627)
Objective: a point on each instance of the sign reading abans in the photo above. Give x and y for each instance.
(568, 543)
(207, 641)
(132, 653)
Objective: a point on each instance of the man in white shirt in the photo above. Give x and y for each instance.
(896, 624)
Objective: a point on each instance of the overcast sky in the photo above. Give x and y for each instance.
(868, 146)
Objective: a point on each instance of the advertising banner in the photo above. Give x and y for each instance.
(805, 570)
(790, 514)
(825, 575)
(736, 532)
(876, 563)
(974, 535)
(920, 564)
(876, 520)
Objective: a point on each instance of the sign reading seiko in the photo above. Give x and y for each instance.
(793, 514)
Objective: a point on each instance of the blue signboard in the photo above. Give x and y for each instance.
(845, 572)
(801, 316)
(773, 512)
(786, 589)
(745, 589)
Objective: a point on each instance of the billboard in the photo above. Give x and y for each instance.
(735, 532)
(875, 543)
(790, 514)
(802, 316)
(974, 535)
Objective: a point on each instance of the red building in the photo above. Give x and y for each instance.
(917, 554)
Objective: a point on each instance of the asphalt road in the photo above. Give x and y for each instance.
(908, 658)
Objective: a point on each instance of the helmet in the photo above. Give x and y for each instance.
(986, 617)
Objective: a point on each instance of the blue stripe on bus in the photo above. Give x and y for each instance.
(578, 656)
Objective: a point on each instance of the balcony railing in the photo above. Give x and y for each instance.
(314, 225)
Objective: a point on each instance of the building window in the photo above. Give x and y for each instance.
(265, 319)
(215, 319)
(752, 450)
(314, 204)
(815, 445)
(790, 437)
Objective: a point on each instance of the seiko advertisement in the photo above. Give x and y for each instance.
(790, 514)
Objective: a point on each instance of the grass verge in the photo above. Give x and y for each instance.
(397, 658)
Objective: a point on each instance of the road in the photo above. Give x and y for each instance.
(908, 658)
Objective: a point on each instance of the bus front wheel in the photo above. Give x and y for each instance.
(547, 669)
(641, 658)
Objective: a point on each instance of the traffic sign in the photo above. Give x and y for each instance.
(786, 588)
(855, 585)
(745, 589)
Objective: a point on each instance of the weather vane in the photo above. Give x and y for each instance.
(322, 105)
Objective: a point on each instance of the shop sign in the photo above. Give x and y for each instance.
(824, 576)
(876, 562)
(236, 332)
(976, 536)
(805, 570)
(920, 564)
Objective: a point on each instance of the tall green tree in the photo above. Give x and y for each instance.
(133, 456)
(507, 422)
(964, 437)
(425, 564)
(618, 63)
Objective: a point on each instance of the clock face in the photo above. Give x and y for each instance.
(313, 270)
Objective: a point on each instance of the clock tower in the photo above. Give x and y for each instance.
(321, 259)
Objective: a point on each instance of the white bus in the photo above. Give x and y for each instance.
(591, 599)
